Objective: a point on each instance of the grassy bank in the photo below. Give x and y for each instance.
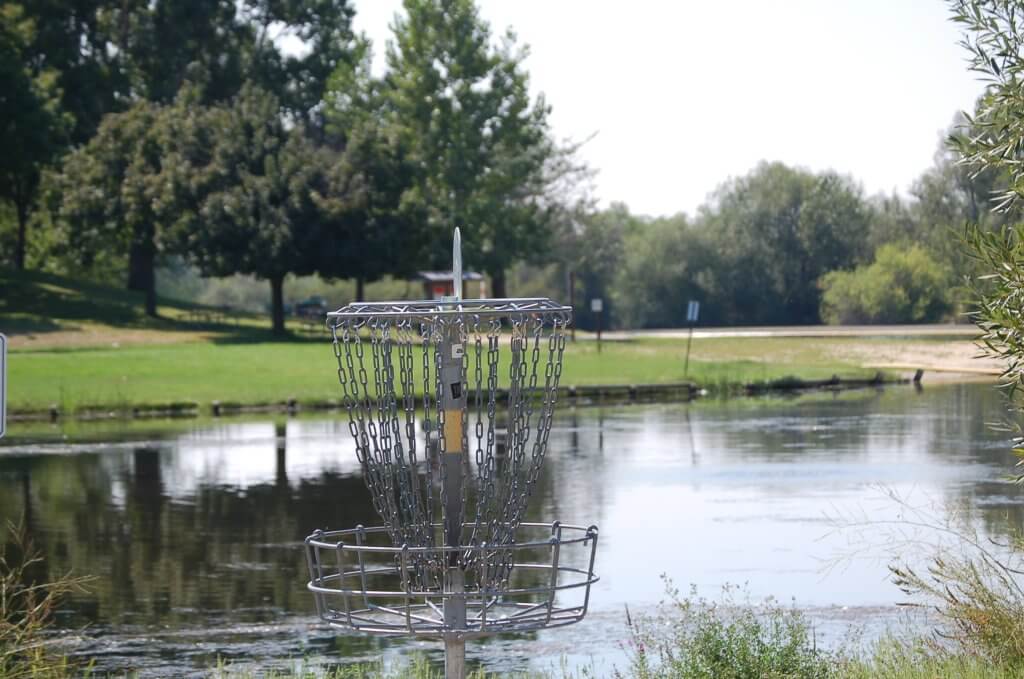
(77, 345)
(272, 372)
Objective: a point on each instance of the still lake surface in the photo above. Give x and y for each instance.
(194, 527)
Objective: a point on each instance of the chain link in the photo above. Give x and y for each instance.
(503, 465)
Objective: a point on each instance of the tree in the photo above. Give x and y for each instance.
(110, 195)
(776, 231)
(76, 40)
(167, 55)
(257, 212)
(299, 80)
(950, 194)
(666, 263)
(994, 40)
(369, 230)
(161, 45)
(595, 254)
(33, 126)
(483, 147)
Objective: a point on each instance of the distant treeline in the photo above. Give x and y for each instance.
(146, 135)
(786, 246)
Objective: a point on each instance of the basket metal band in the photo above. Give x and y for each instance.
(429, 309)
(368, 588)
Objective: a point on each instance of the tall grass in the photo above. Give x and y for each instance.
(28, 601)
(694, 638)
(896, 659)
(418, 667)
(979, 601)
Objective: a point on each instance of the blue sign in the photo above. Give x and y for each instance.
(692, 311)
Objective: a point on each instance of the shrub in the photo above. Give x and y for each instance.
(900, 286)
(693, 638)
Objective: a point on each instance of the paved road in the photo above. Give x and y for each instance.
(962, 331)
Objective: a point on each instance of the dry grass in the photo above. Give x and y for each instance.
(28, 600)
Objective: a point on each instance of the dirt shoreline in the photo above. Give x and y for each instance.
(949, 361)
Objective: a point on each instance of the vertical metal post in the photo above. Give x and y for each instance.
(572, 302)
(692, 314)
(453, 403)
(455, 618)
(689, 341)
(457, 264)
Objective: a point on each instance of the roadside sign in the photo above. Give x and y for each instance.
(597, 306)
(3, 385)
(692, 311)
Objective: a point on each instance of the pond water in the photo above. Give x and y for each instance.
(193, 528)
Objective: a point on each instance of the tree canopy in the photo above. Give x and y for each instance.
(33, 125)
(481, 143)
(254, 137)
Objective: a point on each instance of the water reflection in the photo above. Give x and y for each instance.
(194, 528)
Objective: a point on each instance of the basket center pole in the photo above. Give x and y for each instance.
(454, 460)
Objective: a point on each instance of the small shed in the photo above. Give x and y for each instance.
(438, 284)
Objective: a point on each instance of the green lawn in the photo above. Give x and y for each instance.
(268, 372)
(77, 344)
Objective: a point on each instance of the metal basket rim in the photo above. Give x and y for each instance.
(433, 308)
(404, 609)
(588, 579)
(324, 540)
(560, 617)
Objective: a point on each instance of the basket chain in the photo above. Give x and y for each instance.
(386, 440)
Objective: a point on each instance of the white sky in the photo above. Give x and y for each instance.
(685, 94)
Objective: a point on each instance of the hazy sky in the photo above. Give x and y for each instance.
(685, 94)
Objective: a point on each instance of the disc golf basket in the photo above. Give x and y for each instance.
(450, 405)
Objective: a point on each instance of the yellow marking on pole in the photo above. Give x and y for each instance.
(453, 431)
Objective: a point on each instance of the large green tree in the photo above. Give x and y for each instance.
(256, 211)
(298, 78)
(32, 125)
(189, 58)
(78, 40)
(482, 144)
(369, 228)
(109, 196)
(775, 232)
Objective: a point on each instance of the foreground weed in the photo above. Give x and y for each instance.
(418, 667)
(28, 600)
(693, 638)
(901, 659)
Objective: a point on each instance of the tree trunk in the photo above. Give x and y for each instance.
(277, 304)
(360, 290)
(19, 249)
(498, 284)
(142, 273)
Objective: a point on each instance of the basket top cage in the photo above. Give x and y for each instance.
(425, 310)
(359, 313)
